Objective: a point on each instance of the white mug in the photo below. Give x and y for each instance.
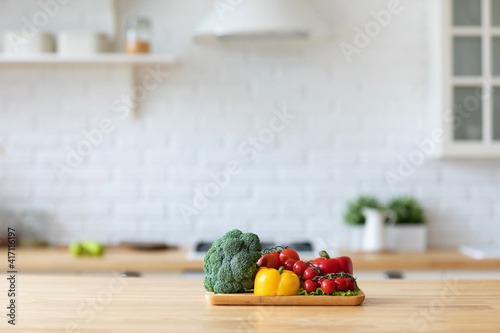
(81, 42)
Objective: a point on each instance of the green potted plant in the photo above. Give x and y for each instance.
(410, 231)
(408, 210)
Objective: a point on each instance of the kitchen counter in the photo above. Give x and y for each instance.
(58, 260)
(113, 304)
(115, 259)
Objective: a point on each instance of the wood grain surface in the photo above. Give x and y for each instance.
(50, 304)
(249, 298)
(58, 260)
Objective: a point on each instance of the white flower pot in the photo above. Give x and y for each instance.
(412, 237)
(406, 237)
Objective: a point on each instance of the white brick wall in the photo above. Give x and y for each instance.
(353, 123)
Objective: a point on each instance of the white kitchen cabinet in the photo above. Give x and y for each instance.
(468, 93)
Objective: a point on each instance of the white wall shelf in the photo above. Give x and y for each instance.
(105, 58)
(128, 61)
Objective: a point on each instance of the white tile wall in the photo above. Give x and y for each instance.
(353, 122)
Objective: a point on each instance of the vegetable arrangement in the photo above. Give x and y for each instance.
(321, 276)
(235, 263)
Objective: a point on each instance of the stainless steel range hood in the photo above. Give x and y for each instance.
(247, 20)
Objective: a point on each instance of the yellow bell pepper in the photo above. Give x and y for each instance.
(269, 282)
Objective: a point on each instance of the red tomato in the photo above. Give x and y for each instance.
(310, 286)
(329, 266)
(268, 260)
(310, 273)
(288, 265)
(340, 284)
(327, 286)
(277, 255)
(288, 254)
(345, 264)
(316, 262)
(350, 285)
(299, 267)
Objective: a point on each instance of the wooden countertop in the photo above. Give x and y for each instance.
(58, 260)
(111, 304)
(432, 259)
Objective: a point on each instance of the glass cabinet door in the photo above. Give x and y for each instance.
(466, 12)
(495, 13)
(472, 77)
(496, 114)
(467, 56)
(468, 113)
(495, 56)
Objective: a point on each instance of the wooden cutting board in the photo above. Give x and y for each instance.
(249, 298)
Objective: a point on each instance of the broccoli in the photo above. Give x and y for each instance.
(230, 264)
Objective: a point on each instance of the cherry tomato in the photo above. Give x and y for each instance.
(277, 255)
(350, 285)
(288, 265)
(327, 286)
(310, 286)
(299, 267)
(329, 266)
(268, 260)
(340, 284)
(316, 262)
(288, 254)
(310, 273)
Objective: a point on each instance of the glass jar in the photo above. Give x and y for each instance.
(138, 38)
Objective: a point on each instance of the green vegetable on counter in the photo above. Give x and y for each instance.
(76, 249)
(230, 264)
(93, 248)
(89, 247)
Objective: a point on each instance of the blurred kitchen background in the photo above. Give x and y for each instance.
(113, 147)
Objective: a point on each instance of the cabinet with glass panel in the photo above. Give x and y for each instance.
(470, 54)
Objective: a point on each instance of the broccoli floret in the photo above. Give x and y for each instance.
(248, 284)
(235, 233)
(208, 283)
(232, 246)
(242, 263)
(252, 242)
(222, 287)
(230, 264)
(225, 273)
